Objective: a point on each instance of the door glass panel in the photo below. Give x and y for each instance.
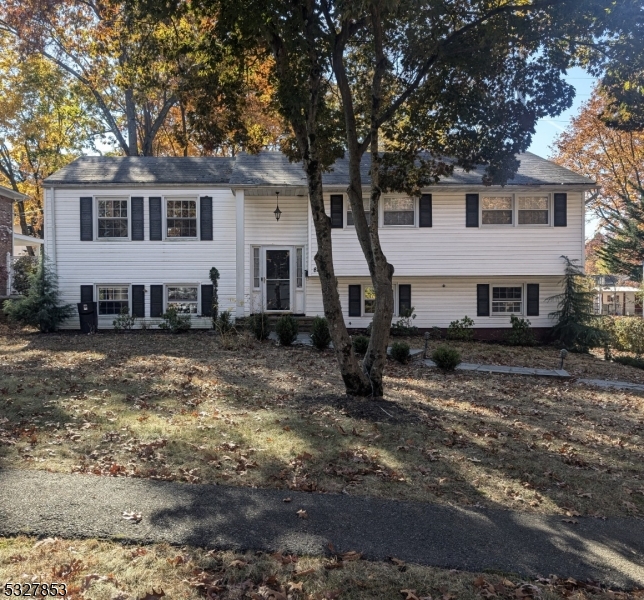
(278, 280)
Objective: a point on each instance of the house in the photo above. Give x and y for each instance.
(617, 295)
(11, 242)
(142, 233)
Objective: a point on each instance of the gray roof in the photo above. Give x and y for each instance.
(270, 169)
(143, 170)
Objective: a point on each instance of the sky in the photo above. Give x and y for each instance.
(548, 129)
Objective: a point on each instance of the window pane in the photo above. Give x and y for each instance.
(395, 204)
(497, 203)
(369, 300)
(367, 216)
(181, 218)
(112, 218)
(399, 211)
(497, 217)
(533, 217)
(112, 300)
(255, 267)
(298, 270)
(183, 298)
(507, 300)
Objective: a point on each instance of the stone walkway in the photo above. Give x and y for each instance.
(472, 539)
(506, 370)
(607, 383)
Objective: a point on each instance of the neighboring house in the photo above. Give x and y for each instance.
(143, 233)
(617, 295)
(10, 241)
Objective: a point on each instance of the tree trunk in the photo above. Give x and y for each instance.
(130, 113)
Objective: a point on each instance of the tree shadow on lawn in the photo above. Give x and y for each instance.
(455, 439)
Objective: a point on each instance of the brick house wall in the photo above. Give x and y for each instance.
(6, 239)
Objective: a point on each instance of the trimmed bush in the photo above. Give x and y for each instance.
(258, 326)
(125, 321)
(224, 323)
(629, 334)
(360, 344)
(638, 363)
(461, 330)
(400, 351)
(446, 358)
(520, 334)
(175, 322)
(286, 330)
(320, 335)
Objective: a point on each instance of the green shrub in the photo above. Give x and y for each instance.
(23, 267)
(214, 277)
(360, 344)
(435, 333)
(286, 329)
(40, 307)
(125, 321)
(638, 363)
(224, 323)
(320, 335)
(405, 325)
(174, 321)
(259, 326)
(461, 330)
(520, 334)
(400, 351)
(446, 358)
(629, 334)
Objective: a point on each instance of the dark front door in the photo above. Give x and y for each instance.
(278, 280)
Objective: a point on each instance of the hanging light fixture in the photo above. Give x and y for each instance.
(277, 212)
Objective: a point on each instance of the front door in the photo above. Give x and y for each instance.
(278, 280)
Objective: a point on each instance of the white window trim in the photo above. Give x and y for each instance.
(506, 316)
(169, 285)
(129, 297)
(129, 218)
(381, 211)
(165, 218)
(515, 211)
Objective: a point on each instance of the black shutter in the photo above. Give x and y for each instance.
(482, 300)
(206, 300)
(138, 300)
(155, 220)
(337, 208)
(425, 211)
(86, 222)
(355, 301)
(404, 298)
(87, 293)
(471, 210)
(205, 212)
(137, 219)
(561, 210)
(532, 307)
(156, 300)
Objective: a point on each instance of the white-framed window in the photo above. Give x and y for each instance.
(112, 216)
(181, 217)
(507, 300)
(497, 210)
(368, 300)
(367, 214)
(299, 267)
(516, 210)
(185, 298)
(113, 299)
(399, 211)
(533, 210)
(256, 264)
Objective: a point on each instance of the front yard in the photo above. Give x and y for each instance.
(185, 408)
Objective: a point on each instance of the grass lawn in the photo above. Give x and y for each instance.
(253, 414)
(110, 571)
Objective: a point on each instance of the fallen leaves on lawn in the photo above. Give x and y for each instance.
(302, 514)
(132, 516)
(153, 595)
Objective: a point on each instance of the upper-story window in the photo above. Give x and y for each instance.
(399, 211)
(181, 218)
(533, 210)
(367, 214)
(112, 218)
(496, 210)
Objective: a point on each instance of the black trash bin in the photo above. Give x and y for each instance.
(88, 316)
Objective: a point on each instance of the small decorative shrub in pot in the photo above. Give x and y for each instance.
(320, 334)
(258, 326)
(446, 358)
(360, 344)
(400, 351)
(286, 330)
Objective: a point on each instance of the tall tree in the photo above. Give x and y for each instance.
(46, 120)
